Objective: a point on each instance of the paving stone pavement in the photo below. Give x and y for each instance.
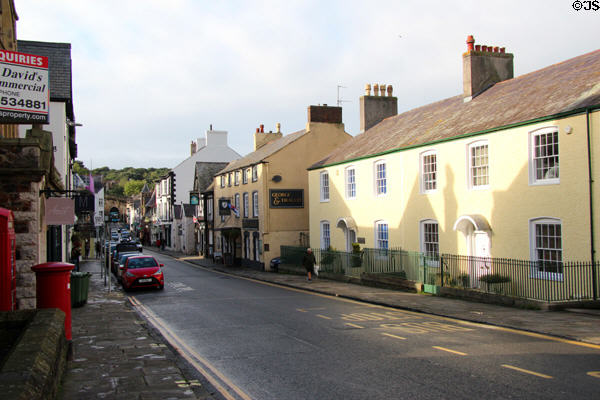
(116, 355)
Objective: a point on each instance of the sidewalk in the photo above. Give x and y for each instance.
(117, 355)
(578, 325)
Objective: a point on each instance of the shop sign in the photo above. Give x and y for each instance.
(286, 198)
(24, 91)
(60, 211)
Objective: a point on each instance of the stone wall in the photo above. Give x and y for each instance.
(24, 167)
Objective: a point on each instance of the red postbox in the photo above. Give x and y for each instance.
(8, 268)
(53, 281)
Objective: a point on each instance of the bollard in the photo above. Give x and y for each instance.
(53, 289)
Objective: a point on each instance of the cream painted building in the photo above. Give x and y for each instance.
(502, 170)
(261, 199)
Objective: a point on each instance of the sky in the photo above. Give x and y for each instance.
(150, 76)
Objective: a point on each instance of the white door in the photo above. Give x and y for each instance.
(481, 250)
(350, 238)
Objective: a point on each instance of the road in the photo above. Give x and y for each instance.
(259, 341)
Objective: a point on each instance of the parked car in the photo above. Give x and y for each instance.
(121, 265)
(275, 264)
(138, 243)
(142, 271)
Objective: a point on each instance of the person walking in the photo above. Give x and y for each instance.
(75, 252)
(97, 248)
(87, 248)
(309, 263)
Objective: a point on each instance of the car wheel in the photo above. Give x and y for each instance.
(161, 287)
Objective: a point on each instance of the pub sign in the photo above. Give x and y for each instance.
(286, 198)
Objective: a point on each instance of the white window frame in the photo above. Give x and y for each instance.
(229, 179)
(236, 203)
(350, 187)
(537, 271)
(246, 204)
(324, 185)
(431, 259)
(255, 204)
(382, 235)
(473, 167)
(245, 175)
(552, 173)
(222, 181)
(380, 177)
(254, 173)
(325, 235)
(423, 171)
(236, 179)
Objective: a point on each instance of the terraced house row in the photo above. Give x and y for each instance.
(507, 169)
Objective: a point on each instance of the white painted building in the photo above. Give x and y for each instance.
(213, 148)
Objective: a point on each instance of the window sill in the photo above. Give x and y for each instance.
(544, 182)
(547, 276)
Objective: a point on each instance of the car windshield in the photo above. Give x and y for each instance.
(145, 262)
(124, 258)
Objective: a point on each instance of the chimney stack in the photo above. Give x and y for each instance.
(376, 108)
(484, 66)
(325, 113)
(261, 138)
(192, 148)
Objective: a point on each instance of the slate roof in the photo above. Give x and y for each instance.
(571, 85)
(262, 153)
(59, 65)
(205, 171)
(152, 200)
(189, 210)
(177, 211)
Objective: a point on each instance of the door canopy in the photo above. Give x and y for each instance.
(347, 222)
(475, 221)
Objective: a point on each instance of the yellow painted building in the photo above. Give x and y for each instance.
(502, 170)
(261, 200)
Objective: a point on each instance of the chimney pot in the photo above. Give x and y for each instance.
(376, 89)
(257, 130)
(382, 89)
(262, 128)
(477, 47)
(368, 89)
(502, 50)
(470, 42)
(496, 49)
(278, 126)
(390, 89)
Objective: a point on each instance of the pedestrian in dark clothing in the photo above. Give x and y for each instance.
(87, 248)
(97, 248)
(309, 263)
(75, 253)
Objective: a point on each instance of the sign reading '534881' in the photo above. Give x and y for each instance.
(24, 88)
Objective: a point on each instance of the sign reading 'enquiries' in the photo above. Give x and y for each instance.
(24, 92)
(286, 198)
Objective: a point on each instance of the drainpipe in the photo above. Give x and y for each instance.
(591, 182)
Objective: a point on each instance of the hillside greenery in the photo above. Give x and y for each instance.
(127, 181)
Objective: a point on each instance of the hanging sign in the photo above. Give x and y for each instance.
(24, 88)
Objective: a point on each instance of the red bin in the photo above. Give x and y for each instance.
(53, 281)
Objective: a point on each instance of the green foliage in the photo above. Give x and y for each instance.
(356, 255)
(127, 179)
(133, 187)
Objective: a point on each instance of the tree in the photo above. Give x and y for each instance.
(133, 187)
(80, 169)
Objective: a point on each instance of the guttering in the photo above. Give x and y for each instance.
(466, 135)
(591, 194)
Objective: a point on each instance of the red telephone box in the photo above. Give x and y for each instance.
(8, 268)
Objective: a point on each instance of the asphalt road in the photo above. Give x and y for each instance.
(258, 341)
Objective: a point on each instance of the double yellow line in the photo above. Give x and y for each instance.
(220, 382)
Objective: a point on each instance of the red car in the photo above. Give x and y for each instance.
(142, 271)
